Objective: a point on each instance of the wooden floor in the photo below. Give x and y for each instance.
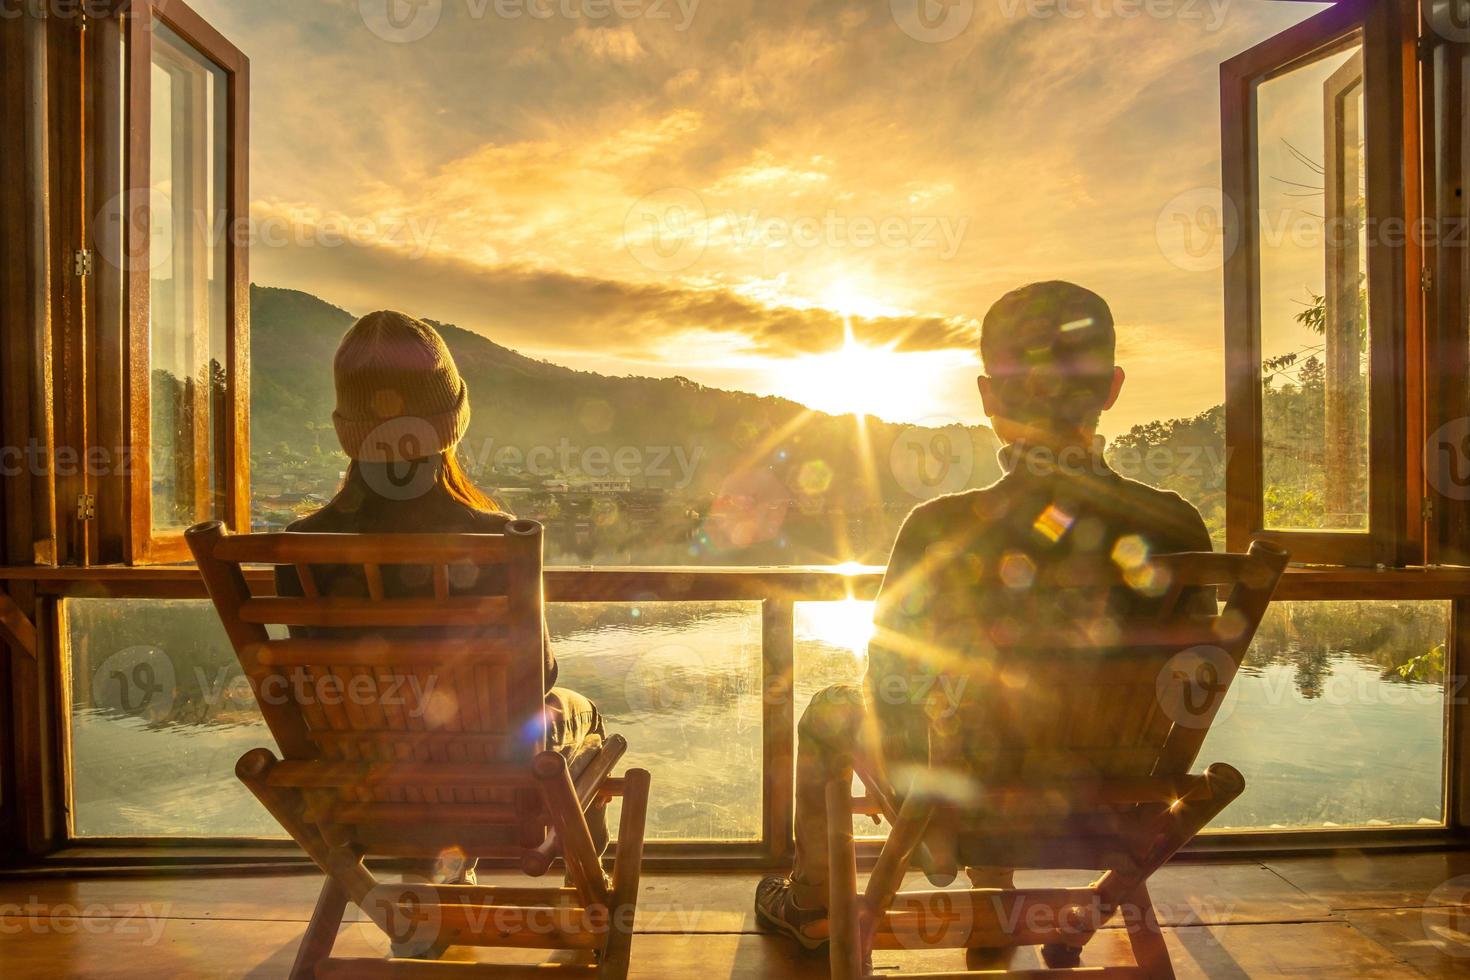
(1344, 916)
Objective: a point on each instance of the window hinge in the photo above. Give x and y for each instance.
(86, 506)
(82, 262)
(1426, 278)
(1426, 509)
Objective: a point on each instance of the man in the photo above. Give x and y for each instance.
(970, 568)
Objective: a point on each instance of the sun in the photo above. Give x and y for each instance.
(847, 623)
(844, 298)
(857, 377)
(854, 379)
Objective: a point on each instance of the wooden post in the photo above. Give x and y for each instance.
(235, 453)
(1457, 748)
(778, 727)
(847, 946)
(626, 868)
(66, 385)
(33, 811)
(106, 354)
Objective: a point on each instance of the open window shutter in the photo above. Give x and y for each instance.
(1319, 320)
(187, 325)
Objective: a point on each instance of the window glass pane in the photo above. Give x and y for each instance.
(832, 648)
(187, 310)
(682, 682)
(1337, 718)
(1314, 295)
(161, 712)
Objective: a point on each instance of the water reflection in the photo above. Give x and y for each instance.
(1322, 726)
(682, 682)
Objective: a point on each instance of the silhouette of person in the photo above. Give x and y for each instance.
(962, 569)
(402, 408)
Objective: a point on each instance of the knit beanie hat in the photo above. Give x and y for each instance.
(399, 394)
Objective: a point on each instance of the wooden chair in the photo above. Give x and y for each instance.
(412, 726)
(1064, 753)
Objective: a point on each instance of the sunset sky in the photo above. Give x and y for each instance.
(711, 188)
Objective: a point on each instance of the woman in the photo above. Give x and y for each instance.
(402, 407)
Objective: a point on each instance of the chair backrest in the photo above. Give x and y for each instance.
(416, 648)
(1101, 698)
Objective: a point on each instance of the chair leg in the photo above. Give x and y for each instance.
(898, 852)
(321, 934)
(626, 866)
(1146, 936)
(584, 867)
(846, 949)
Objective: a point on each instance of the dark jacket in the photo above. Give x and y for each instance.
(970, 567)
(356, 509)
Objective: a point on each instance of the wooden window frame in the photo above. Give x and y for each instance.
(1387, 31)
(232, 463)
(1447, 294)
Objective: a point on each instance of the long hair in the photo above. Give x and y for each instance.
(457, 483)
(450, 479)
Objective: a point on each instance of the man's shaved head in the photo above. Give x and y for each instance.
(1048, 349)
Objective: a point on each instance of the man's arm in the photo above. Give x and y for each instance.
(889, 615)
(902, 635)
(1200, 602)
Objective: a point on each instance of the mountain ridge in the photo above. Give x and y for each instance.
(789, 483)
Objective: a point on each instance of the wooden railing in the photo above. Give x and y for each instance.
(794, 583)
(776, 589)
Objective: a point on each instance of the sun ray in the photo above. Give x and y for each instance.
(773, 439)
